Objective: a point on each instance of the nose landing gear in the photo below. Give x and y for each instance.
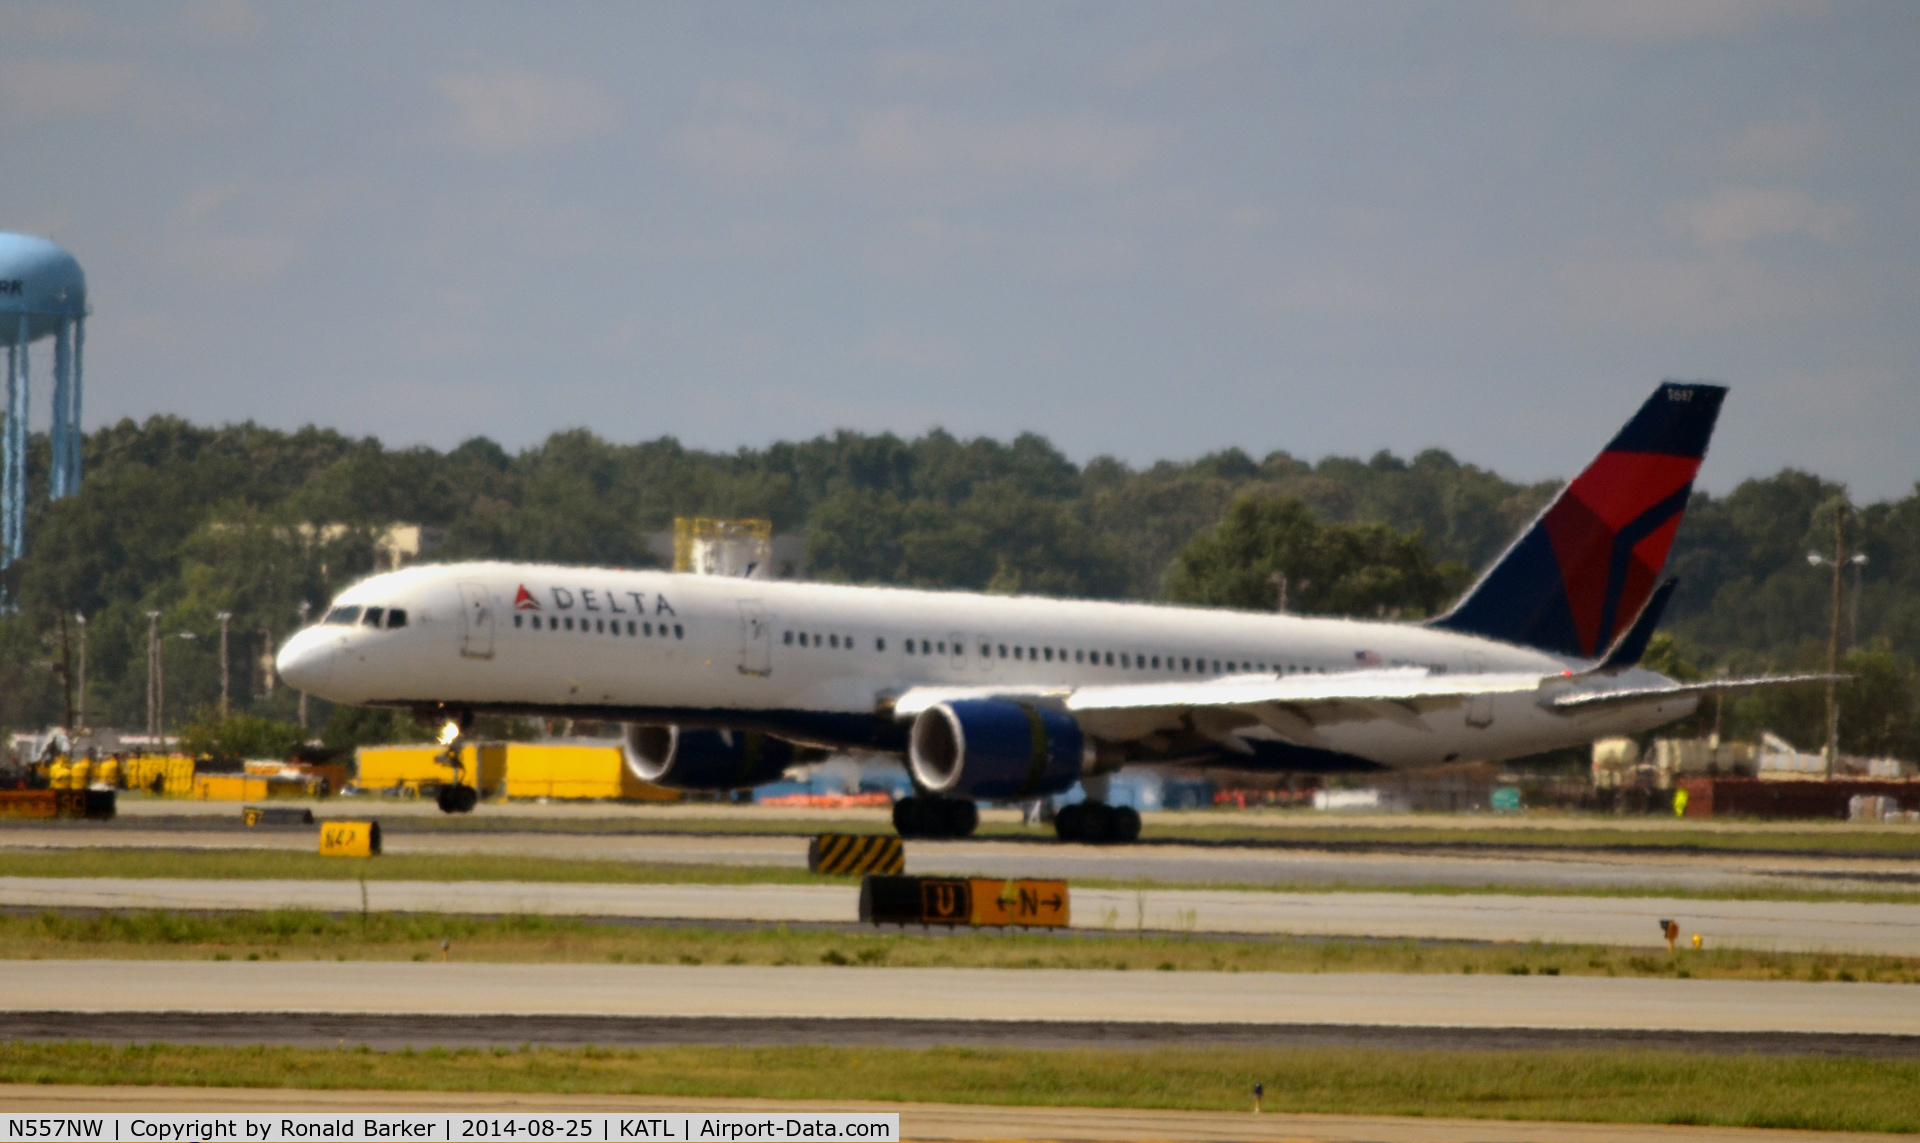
(458, 798)
(923, 816)
(1097, 823)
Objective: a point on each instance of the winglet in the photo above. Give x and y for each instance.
(1632, 644)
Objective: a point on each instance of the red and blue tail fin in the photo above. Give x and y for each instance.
(1586, 567)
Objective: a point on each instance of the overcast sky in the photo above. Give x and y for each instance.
(1150, 230)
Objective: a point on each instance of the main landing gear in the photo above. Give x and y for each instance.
(1097, 823)
(923, 816)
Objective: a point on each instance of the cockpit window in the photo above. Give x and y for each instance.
(396, 617)
(343, 616)
(373, 616)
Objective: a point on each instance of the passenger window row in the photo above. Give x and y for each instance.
(378, 617)
(1128, 660)
(815, 639)
(639, 627)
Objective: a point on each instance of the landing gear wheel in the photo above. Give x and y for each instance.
(962, 817)
(1096, 826)
(1096, 823)
(457, 799)
(1069, 822)
(920, 816)
(904, 817)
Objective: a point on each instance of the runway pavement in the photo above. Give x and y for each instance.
(388, 1032)
(926, 1121)
(818, 992)
(1800, 926)
(1172, 863)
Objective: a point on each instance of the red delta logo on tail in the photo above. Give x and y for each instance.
(1611, 531)
(1580, 575)
(524, 600)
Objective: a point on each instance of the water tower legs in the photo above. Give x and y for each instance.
(57, 439)
(73, 416)
(13, 482)
(64, 475)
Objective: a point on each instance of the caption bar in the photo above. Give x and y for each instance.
(733, 1127)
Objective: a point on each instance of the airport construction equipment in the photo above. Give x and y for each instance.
(161, 774)
(92, 805)
(414, 770)
(853, 854)
(977, 901)
(1836, 798)
(555, 770)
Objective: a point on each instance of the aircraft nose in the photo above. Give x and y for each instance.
(306, 662)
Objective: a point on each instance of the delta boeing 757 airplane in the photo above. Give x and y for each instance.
(724, 683)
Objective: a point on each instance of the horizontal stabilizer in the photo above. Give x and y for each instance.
(1596, 700)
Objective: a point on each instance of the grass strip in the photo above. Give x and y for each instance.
(1235, 827)
(306, 935)
(298, 865)
(1903, 843)
(1582, 1086)
(294, 865)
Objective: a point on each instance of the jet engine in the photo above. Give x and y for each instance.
(994, 749)
(705, 759)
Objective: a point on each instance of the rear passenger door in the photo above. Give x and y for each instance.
(756, 639)
(476, 621)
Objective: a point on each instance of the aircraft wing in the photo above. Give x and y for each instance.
(1293, 707)
(1296, 707)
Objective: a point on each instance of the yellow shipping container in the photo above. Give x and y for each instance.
(410, 768)
(229, 788)
(575, 770)
(174, 772)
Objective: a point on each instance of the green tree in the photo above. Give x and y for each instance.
(351, 726)
(1334, 569)
(240, 736)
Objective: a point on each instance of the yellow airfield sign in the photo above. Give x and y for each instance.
(349, 839)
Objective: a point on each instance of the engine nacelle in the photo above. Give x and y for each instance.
(995, 749)
(706, 759)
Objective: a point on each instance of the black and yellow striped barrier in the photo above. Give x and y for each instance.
(855, 854)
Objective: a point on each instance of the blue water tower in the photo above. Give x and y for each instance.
(43, 293)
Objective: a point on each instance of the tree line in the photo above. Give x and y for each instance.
(192, 521)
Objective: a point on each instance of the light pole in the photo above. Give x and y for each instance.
(304, 608)
(1856, 561)
(185, 636)
(153, 674)
(66, 671)
(1859, 562)
(1838, 561)
(223, 617)
(82, 688)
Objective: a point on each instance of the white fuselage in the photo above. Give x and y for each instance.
(822, 663)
